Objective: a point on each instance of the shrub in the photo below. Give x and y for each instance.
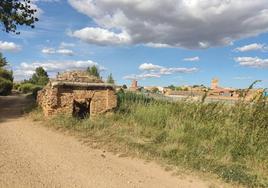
(5, 86)
(8, 75)
(29, 88)
(16, 86)
(35, 91)
(26, 88)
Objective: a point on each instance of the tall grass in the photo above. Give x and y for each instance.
(228, 140)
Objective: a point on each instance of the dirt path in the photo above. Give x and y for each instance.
(34, 156)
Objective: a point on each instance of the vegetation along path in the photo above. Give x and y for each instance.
(35, 156)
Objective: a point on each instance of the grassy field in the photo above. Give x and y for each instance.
(230, 141)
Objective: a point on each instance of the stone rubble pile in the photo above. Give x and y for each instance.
(78, 76)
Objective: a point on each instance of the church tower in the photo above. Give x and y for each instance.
(215, 83)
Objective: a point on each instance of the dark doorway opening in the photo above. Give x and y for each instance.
(81, 109)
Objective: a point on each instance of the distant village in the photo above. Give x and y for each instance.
(215, 91)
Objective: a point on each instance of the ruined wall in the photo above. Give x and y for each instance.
(48, 100)
(78, 76)
(79, 88)
(60, 100)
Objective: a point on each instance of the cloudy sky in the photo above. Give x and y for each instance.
(180, 42)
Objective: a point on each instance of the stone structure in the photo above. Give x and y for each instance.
(134, 86)
(214, 83)
(216, 90)
(77, 94)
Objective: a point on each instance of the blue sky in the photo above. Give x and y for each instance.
(180, 42)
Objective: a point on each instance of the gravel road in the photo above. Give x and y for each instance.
(32, 155)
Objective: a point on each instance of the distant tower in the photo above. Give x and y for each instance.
(134, 85)
(215, 83)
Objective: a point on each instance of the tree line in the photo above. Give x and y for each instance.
(37, 81)
(6, 77)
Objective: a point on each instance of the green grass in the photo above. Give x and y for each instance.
(228, 140)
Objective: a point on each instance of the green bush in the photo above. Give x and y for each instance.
(29, 88)
(26, 88)
(35, 91)
(16, 86)
(8, 75)
(5, 86)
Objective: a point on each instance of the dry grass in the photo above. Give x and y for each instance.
(228, 140)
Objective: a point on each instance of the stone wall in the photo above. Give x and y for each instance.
(73, 89)
(78, 76)
(61, 100)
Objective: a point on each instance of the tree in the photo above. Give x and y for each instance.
(124, 86)
(16, 12)
(6, 77)
(5, 86)
(172, 87)
(110, 79)
(6, 74)
(40, 77)
(94, 71)
(3, 61)
(178, 89)
(155, 90)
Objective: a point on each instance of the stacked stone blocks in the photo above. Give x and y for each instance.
(60, 95)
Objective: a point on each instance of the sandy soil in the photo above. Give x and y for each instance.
(32, 155)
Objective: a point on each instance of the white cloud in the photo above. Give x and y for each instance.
(65, 52)
(254, 62)
(167, 71)
(48, 51)
(9, 46)
(251, 47)
(157, 45)
(191, 59)
(101, 36)
(150, 70)
(182, 23)
(47, 1)
(242, 78)
(61, 51)
(66, 45)
(25, 70)
(149, 67)
(141, 76)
